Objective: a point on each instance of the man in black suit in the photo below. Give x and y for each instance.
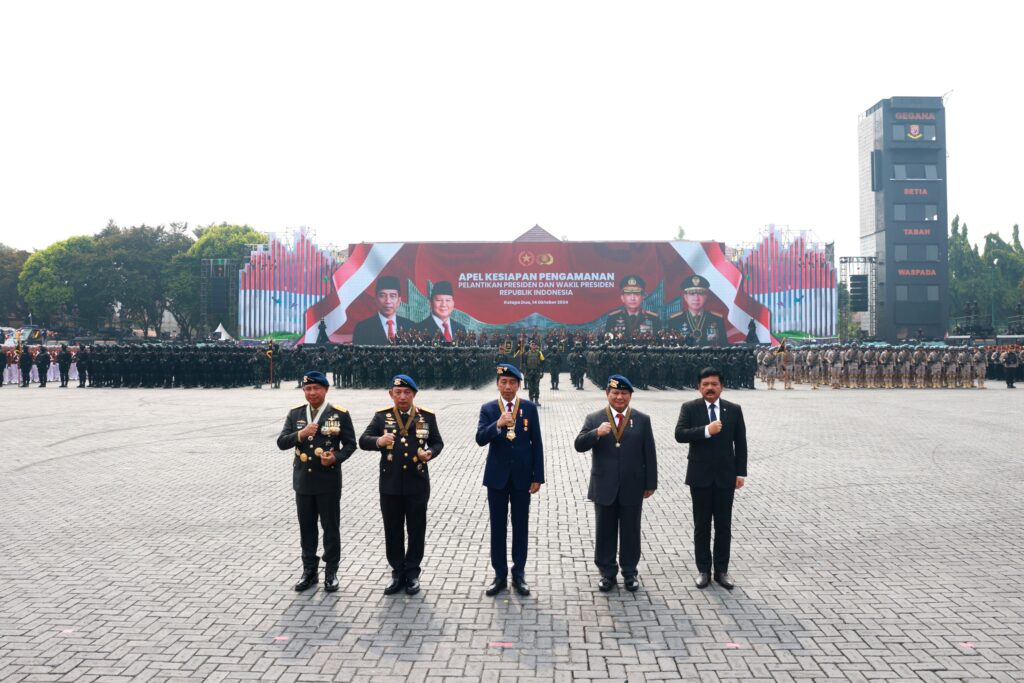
(384, 327)
(439, 322)
(623, 472)
(323, 438)
(407, 438)
(716, 466)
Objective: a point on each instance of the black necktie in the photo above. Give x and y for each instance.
(711, 412)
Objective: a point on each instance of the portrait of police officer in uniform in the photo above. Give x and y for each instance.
(624, 472)
(703, 326)
(510, 428)
(630, 320)
(322, 437)
(407, 438)
(383, 327)
(442, 305)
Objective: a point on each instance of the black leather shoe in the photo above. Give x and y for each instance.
(632, 584)
(519, 583)
(396, 585)
(496, 587)
(412, 586)
(703, 579)
(331, 581)
(308, 579)
(725, 581)
(605, 584)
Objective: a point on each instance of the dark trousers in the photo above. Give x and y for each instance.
(26, 375)
(554, 379)
(83, 375)
(712, 503)
(1010, 373)
(42, 372)
(401, 513)
(325, 507)
(618, 527)
(498, 500)
(63, 369)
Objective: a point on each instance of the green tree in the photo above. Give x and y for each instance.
(65, 278)
(992, 276)
(134, 267)
(225, 241)
(12, 306)
(183, 284)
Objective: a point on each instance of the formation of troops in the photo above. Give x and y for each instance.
(228, 365)
(880, 366)
(657, 366)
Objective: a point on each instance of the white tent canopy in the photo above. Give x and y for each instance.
(222, 334)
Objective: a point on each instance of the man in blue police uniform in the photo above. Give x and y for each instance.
(630, 320)
(407, 438)
(384, 326)
(716, 467)
(322, 437)
(624, 471)
(510, 428)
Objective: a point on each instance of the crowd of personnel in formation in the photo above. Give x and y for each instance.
(888, 367)
(228, 365)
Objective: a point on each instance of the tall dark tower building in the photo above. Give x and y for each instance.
(903, 219)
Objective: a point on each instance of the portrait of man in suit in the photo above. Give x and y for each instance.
(442, 305)
(624, 472)
(383, 327)
(716, 467)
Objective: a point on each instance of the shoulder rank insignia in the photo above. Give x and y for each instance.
(338, 408)
(425, 410)
(299, 407)
(385, 410)
(676, 315)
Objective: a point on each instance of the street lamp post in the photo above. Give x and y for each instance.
(992, 283)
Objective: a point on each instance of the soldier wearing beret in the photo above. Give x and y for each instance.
(624, 471)
(322, 437)
(385, 325)
(705, 327)
(630, 320)
(439, 324)
(407, 438)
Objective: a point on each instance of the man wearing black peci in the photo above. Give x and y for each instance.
(323, 437)
(384, 326)
(716, 466)
(407, 438)
(623, 473)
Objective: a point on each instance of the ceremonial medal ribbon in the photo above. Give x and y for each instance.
(403, 429)
(619, 430)
(511, 433)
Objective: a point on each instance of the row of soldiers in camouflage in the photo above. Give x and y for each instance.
(228, 365)
(888, 367)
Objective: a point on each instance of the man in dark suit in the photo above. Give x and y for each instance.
(510, 428)
(715, 467)
(384, 327)
(439, 322)
(323, 437)
(624, 471)
(407, 437)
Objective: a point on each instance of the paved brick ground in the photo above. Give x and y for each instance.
(150, 534)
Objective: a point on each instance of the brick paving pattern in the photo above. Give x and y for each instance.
(151, 535)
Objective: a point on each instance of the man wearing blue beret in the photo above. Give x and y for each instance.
(510, 428)
(407, 438)
(624, 471)
(322, 437)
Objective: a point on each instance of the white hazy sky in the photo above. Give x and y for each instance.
(476, 120)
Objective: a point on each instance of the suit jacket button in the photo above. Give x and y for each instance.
(310, 469)
(405, 467)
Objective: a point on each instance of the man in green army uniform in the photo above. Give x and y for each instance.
(705, 327)
(533, 364)
(630, 320)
